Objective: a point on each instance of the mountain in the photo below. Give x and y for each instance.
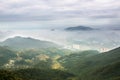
(35, 74)
(79, 28)
(5, 55)
(116, 28)
(26, 43)
(69, 62)
(103, 66)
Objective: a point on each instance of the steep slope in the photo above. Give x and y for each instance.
(6, 55)
(72, 62)
(26, 43)
(104, 66)
(108, 72)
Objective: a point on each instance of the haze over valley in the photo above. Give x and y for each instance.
(96, 39)
(59, 39)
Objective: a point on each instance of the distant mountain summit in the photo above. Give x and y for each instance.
(78, 28)
(26, 43)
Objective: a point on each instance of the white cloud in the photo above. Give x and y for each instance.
(4, 34)
(42, 10)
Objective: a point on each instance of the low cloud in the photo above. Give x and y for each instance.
(5, 34)
(18, 10)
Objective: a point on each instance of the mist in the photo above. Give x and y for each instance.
(101, 40)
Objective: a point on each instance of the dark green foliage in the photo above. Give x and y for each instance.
(29, 54)
(6, 55)
(8, 75)
(72, 62)
(34, 74)
(110, 71)
(35, 64)
(22, 62)
(104, 66)
(39, 58)
(43, 64)
(38, 74)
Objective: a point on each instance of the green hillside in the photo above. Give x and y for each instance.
(19, 43)
(59, 64)
(35, 74)
(6, 55)
(93, 67)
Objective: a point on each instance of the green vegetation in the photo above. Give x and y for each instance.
(73, 62)
(34, 74)
(104, 66)
(59, 64)
(21, 43)
(6, 55)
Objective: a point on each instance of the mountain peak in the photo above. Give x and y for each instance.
(19, 42)
(20, 37)
(77, 28)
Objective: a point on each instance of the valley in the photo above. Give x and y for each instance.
(15, 62)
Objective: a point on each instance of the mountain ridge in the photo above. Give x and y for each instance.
(103, 66)
(19, 42)
(79, 28)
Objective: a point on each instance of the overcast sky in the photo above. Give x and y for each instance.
(31, 17)
(36, 14)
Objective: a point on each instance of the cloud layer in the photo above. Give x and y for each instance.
(5, 34)
(42, 10)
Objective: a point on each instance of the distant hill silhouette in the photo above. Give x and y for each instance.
(79, 28)
(26, 43)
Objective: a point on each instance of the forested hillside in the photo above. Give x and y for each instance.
(59, 64)
(103, 66)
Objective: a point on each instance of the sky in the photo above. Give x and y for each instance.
(37, 14)
(30, 17)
